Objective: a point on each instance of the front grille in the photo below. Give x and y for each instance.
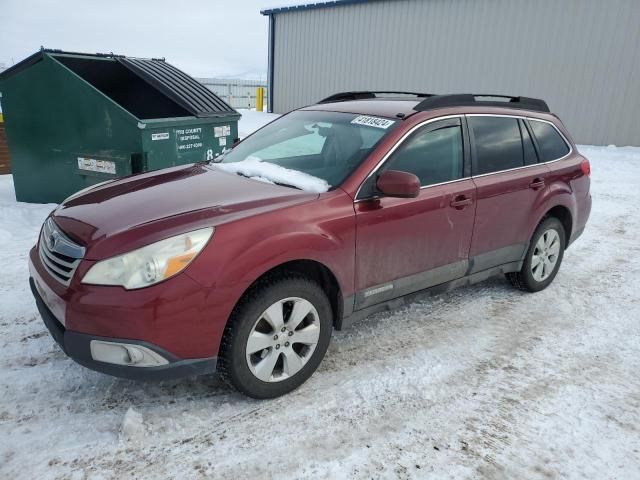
(59, 255)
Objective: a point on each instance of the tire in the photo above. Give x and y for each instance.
(251, 326)
(530, 278)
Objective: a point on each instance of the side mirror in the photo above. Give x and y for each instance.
(394, 183)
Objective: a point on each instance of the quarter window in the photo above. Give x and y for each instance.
(433, 153)
(550, 144)
(497, 144)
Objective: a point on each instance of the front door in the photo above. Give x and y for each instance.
(405, 245)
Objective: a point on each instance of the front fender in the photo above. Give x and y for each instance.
(242, 251)
(323, 248)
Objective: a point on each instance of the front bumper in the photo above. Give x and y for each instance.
(178, 315)
(78, 347)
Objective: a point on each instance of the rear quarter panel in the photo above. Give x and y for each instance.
(569, 187)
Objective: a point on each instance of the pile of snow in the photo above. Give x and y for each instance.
(254, 167)
(132, 429)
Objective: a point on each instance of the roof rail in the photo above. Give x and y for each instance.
(468, 99)
(366, 94)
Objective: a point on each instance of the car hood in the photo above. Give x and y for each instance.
(125, 214)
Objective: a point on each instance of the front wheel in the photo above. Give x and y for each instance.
(543, 257)
(277, 336)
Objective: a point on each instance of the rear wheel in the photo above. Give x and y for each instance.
(543, 257)
(277, 336)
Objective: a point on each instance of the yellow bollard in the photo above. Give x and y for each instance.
(259, 99)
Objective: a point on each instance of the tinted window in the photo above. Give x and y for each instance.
(433, 154)
(498, 144)
(550, 143)
(530, 156)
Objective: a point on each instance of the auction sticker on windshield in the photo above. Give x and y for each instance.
(373, 121)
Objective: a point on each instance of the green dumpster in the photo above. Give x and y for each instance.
(75, 119)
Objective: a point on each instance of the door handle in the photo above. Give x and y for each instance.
(461, 201)
(537, 184)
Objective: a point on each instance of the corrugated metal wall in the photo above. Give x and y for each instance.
(582, 56)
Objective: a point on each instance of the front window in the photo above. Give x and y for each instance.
(309, 150)
(433, 153)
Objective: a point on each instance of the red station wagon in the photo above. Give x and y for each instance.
(354, 205)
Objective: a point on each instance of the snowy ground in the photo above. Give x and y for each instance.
(483, 382)
(252, 120)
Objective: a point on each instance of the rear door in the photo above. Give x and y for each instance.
(510, 189)
(407, 244)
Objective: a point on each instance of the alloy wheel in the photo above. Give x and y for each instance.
(545, 255)
(283, 339)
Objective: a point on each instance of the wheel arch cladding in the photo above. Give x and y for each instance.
(561, 207)
(314, 270)
(563, 214)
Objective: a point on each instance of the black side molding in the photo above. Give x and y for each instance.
(398, 302)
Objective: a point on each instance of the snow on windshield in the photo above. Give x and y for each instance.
(254, 167)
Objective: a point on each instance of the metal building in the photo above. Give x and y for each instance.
(581, 56)
(237, 92)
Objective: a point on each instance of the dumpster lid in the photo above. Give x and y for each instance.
(21, 65)
(177, 85)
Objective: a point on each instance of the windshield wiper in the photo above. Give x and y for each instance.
(287, 185)
(275, 183)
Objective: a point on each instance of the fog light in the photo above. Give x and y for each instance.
(125, 354)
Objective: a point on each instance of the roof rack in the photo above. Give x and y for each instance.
(366, 94)
(468, 99)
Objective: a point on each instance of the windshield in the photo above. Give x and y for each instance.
(310, 150)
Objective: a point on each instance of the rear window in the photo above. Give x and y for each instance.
(551, 145)
(497, 144)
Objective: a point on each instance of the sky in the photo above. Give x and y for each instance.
(205, 38)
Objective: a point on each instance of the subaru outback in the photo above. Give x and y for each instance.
(353, 205)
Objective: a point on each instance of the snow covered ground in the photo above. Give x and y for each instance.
(252, 120)
(483, 382)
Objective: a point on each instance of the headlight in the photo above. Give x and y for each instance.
(151, 264)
